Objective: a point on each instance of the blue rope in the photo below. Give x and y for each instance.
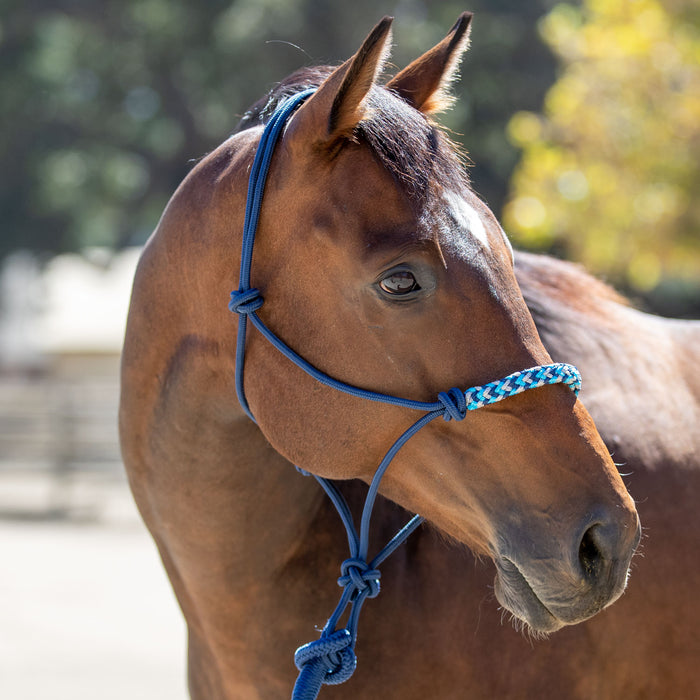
(248, 300)
(331, 658)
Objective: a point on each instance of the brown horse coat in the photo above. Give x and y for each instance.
(436, 630)
(252, 548)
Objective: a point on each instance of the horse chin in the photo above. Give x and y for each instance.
(516, 595)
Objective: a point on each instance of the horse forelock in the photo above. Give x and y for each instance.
(412, 148)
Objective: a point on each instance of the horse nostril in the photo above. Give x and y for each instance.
(589, 552)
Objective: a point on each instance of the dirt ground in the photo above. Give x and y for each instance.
(86, 611)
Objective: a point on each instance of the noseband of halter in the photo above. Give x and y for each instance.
(331, 658)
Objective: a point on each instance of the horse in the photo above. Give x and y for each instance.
(384, 275)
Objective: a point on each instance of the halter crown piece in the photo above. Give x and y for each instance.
(331, 658)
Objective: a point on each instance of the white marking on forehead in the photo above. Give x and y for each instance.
(467, 217)
(509, 245)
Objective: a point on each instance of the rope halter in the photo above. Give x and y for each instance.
(331, 658)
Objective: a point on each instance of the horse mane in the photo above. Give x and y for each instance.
(544, 279)
(414, 149)
(567, 304)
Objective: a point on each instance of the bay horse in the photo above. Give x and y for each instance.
(382, 269)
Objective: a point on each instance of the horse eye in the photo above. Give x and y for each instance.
(399, 282)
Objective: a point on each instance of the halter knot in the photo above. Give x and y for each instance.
(455, 404)
(355, 572)
(333, 653)
(245, 301)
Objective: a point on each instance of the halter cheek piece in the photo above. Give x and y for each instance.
(331, 658)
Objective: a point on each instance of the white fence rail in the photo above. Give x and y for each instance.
(58, 430)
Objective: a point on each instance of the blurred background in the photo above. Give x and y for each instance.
(583, 124)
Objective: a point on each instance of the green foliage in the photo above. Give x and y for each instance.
(106, 104)
(610, 174)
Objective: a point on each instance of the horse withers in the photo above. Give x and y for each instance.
(380, 267)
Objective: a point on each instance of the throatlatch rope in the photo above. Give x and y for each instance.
(331, 658)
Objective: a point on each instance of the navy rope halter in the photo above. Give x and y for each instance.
(331, 658)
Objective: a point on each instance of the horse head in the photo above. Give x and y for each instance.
(381, 267)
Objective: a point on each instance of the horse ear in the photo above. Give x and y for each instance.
(425, 83)
(338, 105)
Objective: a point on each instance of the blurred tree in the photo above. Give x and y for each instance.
(106, 104)
(610, 174)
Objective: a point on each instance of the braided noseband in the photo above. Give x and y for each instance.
(331, 658)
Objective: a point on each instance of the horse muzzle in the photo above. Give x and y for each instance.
(548, 592)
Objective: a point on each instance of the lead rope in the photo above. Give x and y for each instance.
(331, 658)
